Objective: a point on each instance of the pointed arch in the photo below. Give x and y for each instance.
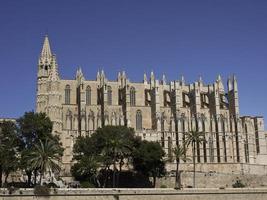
(88, 95)
(139, 125)
(67, 94)
(109, 95)
(132, 96)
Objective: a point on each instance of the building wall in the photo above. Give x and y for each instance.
(168, 110)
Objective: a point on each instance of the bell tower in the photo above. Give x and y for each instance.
(44, 67)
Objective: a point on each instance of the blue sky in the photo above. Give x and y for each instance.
(189, 38)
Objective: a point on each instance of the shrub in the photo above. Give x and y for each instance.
(86, 184)
(11, 189)
(238, 184)
(163, 186)
(52, 185)
(41, 190)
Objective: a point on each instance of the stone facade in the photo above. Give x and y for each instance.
(157, 110)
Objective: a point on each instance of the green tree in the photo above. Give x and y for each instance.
(87, 160)
(180, 154)
(110, 147)
(115, 145)
(45, 156)
(33, 127)
(148, 160)
(193, 138)
(9, 146)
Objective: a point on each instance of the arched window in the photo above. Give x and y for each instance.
(88, 95)
(139, 120)
(67, 94)
(132, 96)
(109, 95)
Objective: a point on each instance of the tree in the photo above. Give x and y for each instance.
(87, 160)
(110, 147)
(148, 160)
(194, 137)
(8, 149)
(180, 154)
(45, 156)
(33, 127)
(9, 145)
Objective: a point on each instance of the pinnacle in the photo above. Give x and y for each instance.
(46, 51)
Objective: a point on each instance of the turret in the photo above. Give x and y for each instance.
(233, 96)
(145, 79)
(45, 60)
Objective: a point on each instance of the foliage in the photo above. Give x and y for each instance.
(41, 190)
(100, 158)
(194, 138)
(108, 147)
(148, 160)
(238, 184)
(45, 156)
(34, 128)
(9, 146)
(87, 184)
(52, 185)
(163, 186)
(180, 154)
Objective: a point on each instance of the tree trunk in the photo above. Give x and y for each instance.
(1, 173)
(154, 181)
(35, 176)
(7, 174)
(194, 165)
(41, 178)
(106, 178)
(114, 175)
(29, 174)
(177, 178)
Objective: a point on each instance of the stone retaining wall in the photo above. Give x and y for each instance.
(214, 180)
(142, 194)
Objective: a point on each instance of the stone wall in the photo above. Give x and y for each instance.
(214, 180)
(142, 194)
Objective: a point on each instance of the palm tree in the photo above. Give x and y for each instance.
(45, 156)
(180, 154)
(194, 137)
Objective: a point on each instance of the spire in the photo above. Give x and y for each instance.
(182, 80)
(46, 51)
(145, 78)
(229, 84)
(164, 81)
(200, 79)
(119, 76)
(53, 75)
(98, 75)
(220, 83)
(152, 77)
(234, 83)
(79, 76)
(219, 78)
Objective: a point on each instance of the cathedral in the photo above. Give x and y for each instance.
(158, 111)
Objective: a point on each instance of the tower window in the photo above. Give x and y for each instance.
(139, 120)
(132, 96)
(109, 95)
(67, 94)
(88, 95)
